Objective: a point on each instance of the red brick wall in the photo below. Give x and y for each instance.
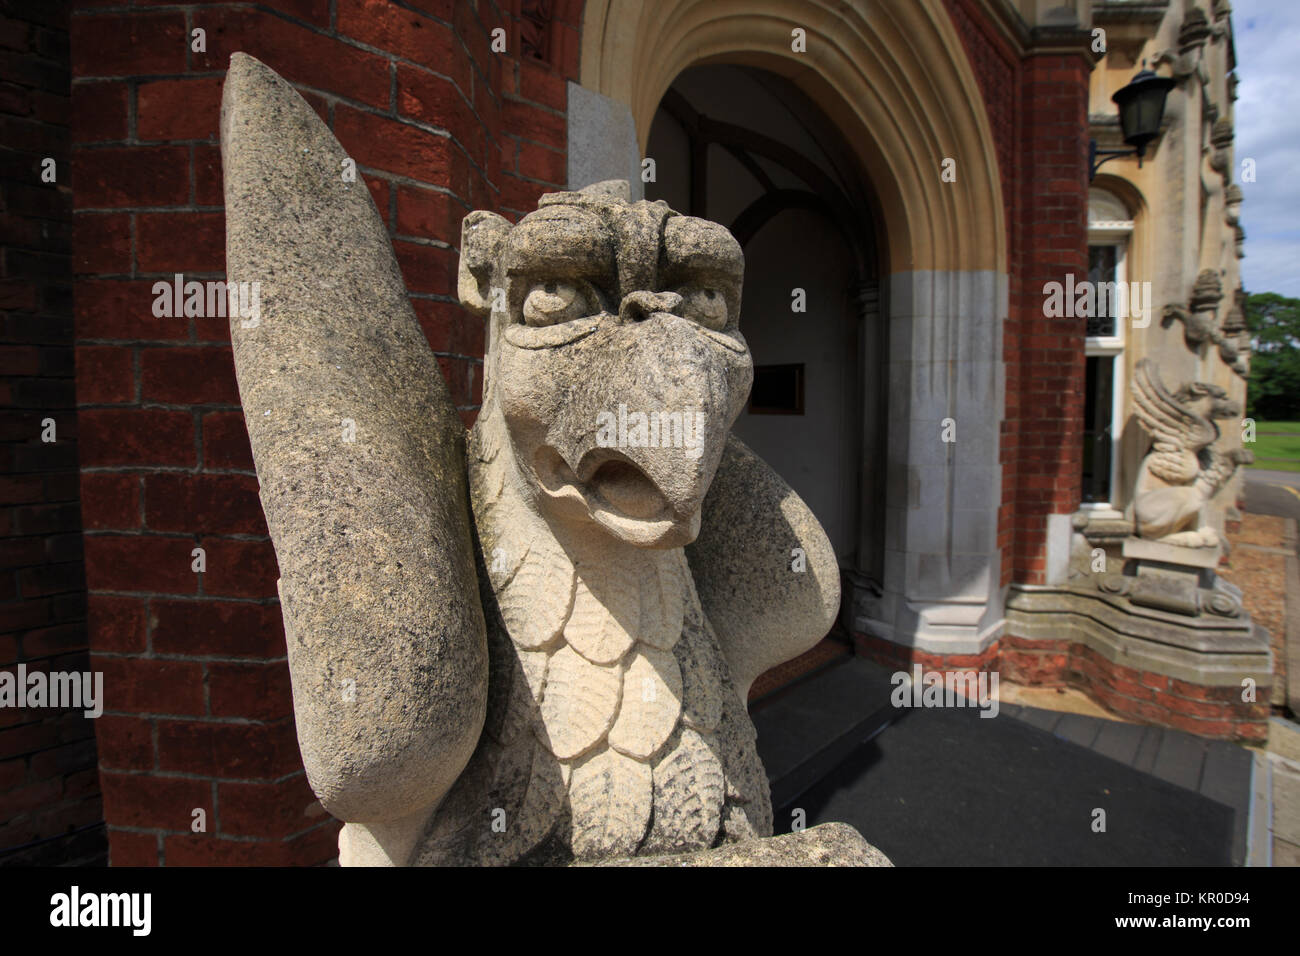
(200, 711)
(1037, 107)
(49, 789)
(1038, 110)
(1043, 430)
(1141, 696)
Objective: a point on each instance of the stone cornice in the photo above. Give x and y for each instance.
(1026, 40)
(1108, 12)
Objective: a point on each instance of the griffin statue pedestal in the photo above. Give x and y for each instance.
(1163, 613)
(1177, 579)
(535, 649)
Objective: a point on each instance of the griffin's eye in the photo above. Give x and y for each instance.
(705, 305)
(550, 302)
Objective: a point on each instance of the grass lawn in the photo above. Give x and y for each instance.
(1277, 440)
(1289, 428)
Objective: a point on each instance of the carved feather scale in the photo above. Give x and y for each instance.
(610, 726)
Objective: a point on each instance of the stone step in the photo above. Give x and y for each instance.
(1259, 848)
(1284, 738)
(1285, 794)
(809, 728)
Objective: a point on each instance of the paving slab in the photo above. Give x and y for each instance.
(1180, 759)
(1284, 738)
(1226, 765)
(1286, 801)
(1260, 844)
(1078, 729)
(945, 787)
(1042, 719)
(1214, 768)
(1119, 741)
(1145, 760)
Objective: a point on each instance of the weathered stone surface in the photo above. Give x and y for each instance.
(1183, 470)
(700, 662)
(831, 844)
(688, 797)
(755, 530)
(602, 140)
(538, 598)
(608, 673)
(1158, 551)
(580, 703)
(651, 704)
(601, 626)
(611, 797)
(377, 580)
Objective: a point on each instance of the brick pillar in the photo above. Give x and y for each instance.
(195, 671)
(1045, 357)
(49, 789)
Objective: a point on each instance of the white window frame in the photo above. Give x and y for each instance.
(1111, 233)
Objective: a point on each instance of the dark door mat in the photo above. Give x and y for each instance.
(809, 728)
(945, 787)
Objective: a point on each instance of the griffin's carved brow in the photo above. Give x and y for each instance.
(560, 241)
(697, 248)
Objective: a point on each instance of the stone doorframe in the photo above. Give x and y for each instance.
(895, 81)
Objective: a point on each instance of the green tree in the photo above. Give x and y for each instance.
(1274, 392)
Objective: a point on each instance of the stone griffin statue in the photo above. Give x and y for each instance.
(1183, 470)
(536, 649)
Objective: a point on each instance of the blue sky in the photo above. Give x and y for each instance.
(1267, 36)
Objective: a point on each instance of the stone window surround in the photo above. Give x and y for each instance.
(1111, 347)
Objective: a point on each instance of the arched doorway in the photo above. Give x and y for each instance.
(746, 148)
(894, 83)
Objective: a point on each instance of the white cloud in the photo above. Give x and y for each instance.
(1267, 121)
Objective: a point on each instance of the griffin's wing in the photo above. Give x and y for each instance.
(1177, 431)
(361, 459)
(754, 534)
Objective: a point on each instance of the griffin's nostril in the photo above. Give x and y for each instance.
(639, 306)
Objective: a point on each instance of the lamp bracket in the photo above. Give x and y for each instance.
(1094, 163)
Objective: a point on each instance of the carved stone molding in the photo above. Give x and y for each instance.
(1221, 133)
(1232, 200)
(919, 58)
(1200, 322)
(1194, 32)
(587, 675)
(1235, 320)
(1207, 292)
(1182, 65)
(1183, 470)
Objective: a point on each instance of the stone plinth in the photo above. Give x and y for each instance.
(1142, 550)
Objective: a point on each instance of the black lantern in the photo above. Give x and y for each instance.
(1141, 109)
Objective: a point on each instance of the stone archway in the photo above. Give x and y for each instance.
(895, 81)
(746, 148)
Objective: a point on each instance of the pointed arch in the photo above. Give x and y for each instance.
(893, 77)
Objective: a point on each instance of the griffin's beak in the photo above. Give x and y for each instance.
(616, 492)
(657, 423)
